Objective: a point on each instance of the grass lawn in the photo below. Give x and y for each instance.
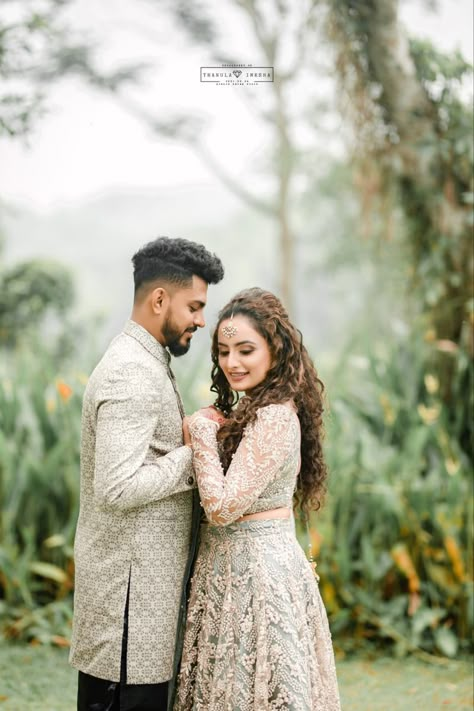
(39, 679)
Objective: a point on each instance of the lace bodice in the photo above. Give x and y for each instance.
(262, 474)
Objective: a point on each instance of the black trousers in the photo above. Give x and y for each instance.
(101, 695)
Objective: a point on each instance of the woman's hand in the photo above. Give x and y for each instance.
(212, 413)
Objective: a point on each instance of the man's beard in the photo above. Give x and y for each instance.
(172, 338)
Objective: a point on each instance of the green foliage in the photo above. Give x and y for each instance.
(440, 73)
(29, 36)
(440, 220)
(396, 540)
(394, 543)
(414, 158)
(37, 48)
(30, 292)
(414, 153)
(39, 490)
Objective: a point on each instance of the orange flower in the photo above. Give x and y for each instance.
(406, 566)
(455, 557)
(414, 603)
(64, 390)
(447, 346)
(315, 540)
(60, 641)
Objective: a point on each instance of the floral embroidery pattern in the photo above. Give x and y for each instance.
(257, 636)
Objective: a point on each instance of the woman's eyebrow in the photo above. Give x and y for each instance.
(240, 343)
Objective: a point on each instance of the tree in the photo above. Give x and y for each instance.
(283, 36)
(37, 49)
(29, 292)
(414, 156)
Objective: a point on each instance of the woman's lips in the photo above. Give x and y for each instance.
(237, 376)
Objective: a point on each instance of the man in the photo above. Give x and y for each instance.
(133, 534)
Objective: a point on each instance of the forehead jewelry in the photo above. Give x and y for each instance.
(229, 330)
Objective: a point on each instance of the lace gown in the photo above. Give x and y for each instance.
(257, 636)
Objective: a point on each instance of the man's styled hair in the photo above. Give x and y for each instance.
(174, 261)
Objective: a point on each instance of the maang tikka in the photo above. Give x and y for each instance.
(229, 330)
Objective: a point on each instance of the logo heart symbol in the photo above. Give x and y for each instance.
(237, 73)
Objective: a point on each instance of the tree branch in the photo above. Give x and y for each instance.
(188, 130)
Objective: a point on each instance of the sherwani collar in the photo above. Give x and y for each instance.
(148, 341)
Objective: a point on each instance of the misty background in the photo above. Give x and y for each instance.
(92, 182)
(346, 187)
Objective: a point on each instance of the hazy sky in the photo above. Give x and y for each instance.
(88, 144)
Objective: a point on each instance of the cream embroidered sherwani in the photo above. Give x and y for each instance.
(135, 513)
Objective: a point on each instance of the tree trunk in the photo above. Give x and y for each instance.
(373, 47)
(284, 175)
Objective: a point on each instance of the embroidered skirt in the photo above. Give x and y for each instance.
(257, 636)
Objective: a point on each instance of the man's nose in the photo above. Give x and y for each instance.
(199, 320)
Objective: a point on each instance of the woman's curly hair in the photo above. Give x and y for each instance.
(291, 377)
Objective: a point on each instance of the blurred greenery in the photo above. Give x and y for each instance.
(413, 159)
(38, 48)
(394, 543)
(30, 292)
(39, 457)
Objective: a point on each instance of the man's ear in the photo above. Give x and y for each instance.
(159, 299)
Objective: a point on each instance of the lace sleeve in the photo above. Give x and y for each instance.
(262, 452)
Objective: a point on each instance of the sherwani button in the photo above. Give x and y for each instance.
(190, 480)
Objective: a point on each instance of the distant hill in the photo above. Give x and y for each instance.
(97, 237)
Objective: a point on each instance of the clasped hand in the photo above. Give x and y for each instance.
(211, 412)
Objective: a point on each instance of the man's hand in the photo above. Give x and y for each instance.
(186, 435)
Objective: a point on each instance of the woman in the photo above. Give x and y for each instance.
(257, 636)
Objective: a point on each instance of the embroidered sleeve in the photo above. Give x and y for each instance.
(262, 452)
(129, 407)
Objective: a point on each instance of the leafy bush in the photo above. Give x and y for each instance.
(39, 490)
(395, 542)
